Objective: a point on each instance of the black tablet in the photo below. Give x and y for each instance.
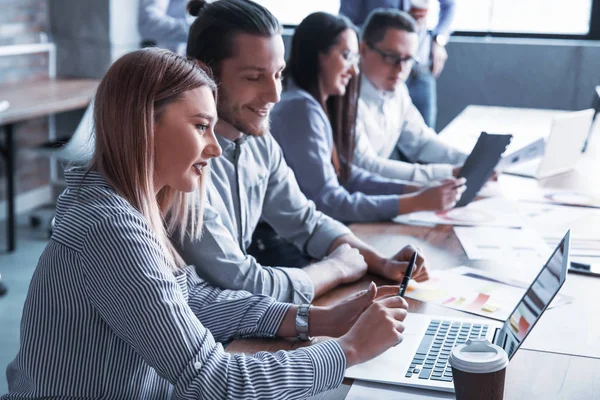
(480, 164)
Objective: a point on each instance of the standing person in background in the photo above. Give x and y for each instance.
(113, 312)
(241, 42)
(388, 122)
(431, 49)
(315, 121)
(164, 23)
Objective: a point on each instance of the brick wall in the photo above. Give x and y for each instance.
(22, 21)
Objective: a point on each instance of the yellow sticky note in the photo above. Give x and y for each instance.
(490, 307)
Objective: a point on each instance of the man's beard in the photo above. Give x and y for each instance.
(232, 115)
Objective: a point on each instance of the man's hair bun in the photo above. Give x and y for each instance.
(195, 6)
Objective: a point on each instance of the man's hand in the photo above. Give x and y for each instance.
(438, 59)
(395, 267)
(412, 188)
(350, 263)
(456, 171)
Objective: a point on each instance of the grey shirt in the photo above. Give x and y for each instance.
(302, 129)
(262, 188)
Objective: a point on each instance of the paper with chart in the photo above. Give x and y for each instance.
(562, 197)
(506, 244)
(495, 211)
(474, 291)
(546, 218)
(530, 191)
(552, 221)
(362, 390)
(585, 249)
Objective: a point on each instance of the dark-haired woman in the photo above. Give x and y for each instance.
(315, 121)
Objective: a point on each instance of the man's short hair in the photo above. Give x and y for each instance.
(381, 19)
(212, 35)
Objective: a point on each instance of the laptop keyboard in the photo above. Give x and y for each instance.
(431, 359)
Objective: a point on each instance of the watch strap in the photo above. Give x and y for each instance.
(302, 327)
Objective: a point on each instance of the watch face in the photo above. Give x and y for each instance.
(441, 40)
(302, 323)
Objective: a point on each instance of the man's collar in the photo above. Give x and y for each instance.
(370, 93)
(227, 145)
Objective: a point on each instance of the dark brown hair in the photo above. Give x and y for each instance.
(217, 24)
(315, 35)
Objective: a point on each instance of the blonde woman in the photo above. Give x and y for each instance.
(113, 313)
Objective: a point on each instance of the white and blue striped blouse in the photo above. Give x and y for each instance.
(105, 318)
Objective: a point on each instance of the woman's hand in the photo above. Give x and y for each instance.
(376, 330)
(437, 196)
(337, 320)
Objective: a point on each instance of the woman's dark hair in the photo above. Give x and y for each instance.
(315, 35)
(218, 23)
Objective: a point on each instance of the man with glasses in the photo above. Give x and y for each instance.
(421, 84)
(388, 123)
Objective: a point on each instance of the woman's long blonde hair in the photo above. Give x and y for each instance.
(131, 97)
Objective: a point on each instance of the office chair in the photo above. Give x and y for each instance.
(76, 150)
(596, 107)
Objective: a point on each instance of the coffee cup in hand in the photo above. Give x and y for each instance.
(478, 370)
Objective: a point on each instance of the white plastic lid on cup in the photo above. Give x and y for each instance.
(478, 356)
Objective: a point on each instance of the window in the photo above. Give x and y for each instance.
(292, 12)
(545, 17)
(555, 17)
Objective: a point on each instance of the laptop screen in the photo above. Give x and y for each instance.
(535, 300)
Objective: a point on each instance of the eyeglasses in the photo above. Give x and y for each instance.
(350, 57)
(393, 59)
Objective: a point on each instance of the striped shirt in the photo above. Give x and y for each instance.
(105, 318)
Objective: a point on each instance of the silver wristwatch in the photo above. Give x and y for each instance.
(302, 322)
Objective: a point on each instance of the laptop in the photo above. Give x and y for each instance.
(563, 148)
(596, 107)
(421, 360)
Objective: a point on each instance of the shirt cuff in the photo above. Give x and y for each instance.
(271, 320)
(325, 233)
(329, 364)
(389, 207)
(301, 285)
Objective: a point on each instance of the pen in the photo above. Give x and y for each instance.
(581, 266)
(408, 274)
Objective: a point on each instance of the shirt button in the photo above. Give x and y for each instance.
(198, 365)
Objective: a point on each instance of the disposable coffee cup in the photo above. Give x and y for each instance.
(478, 370)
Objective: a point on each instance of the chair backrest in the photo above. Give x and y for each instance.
(80, 148)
